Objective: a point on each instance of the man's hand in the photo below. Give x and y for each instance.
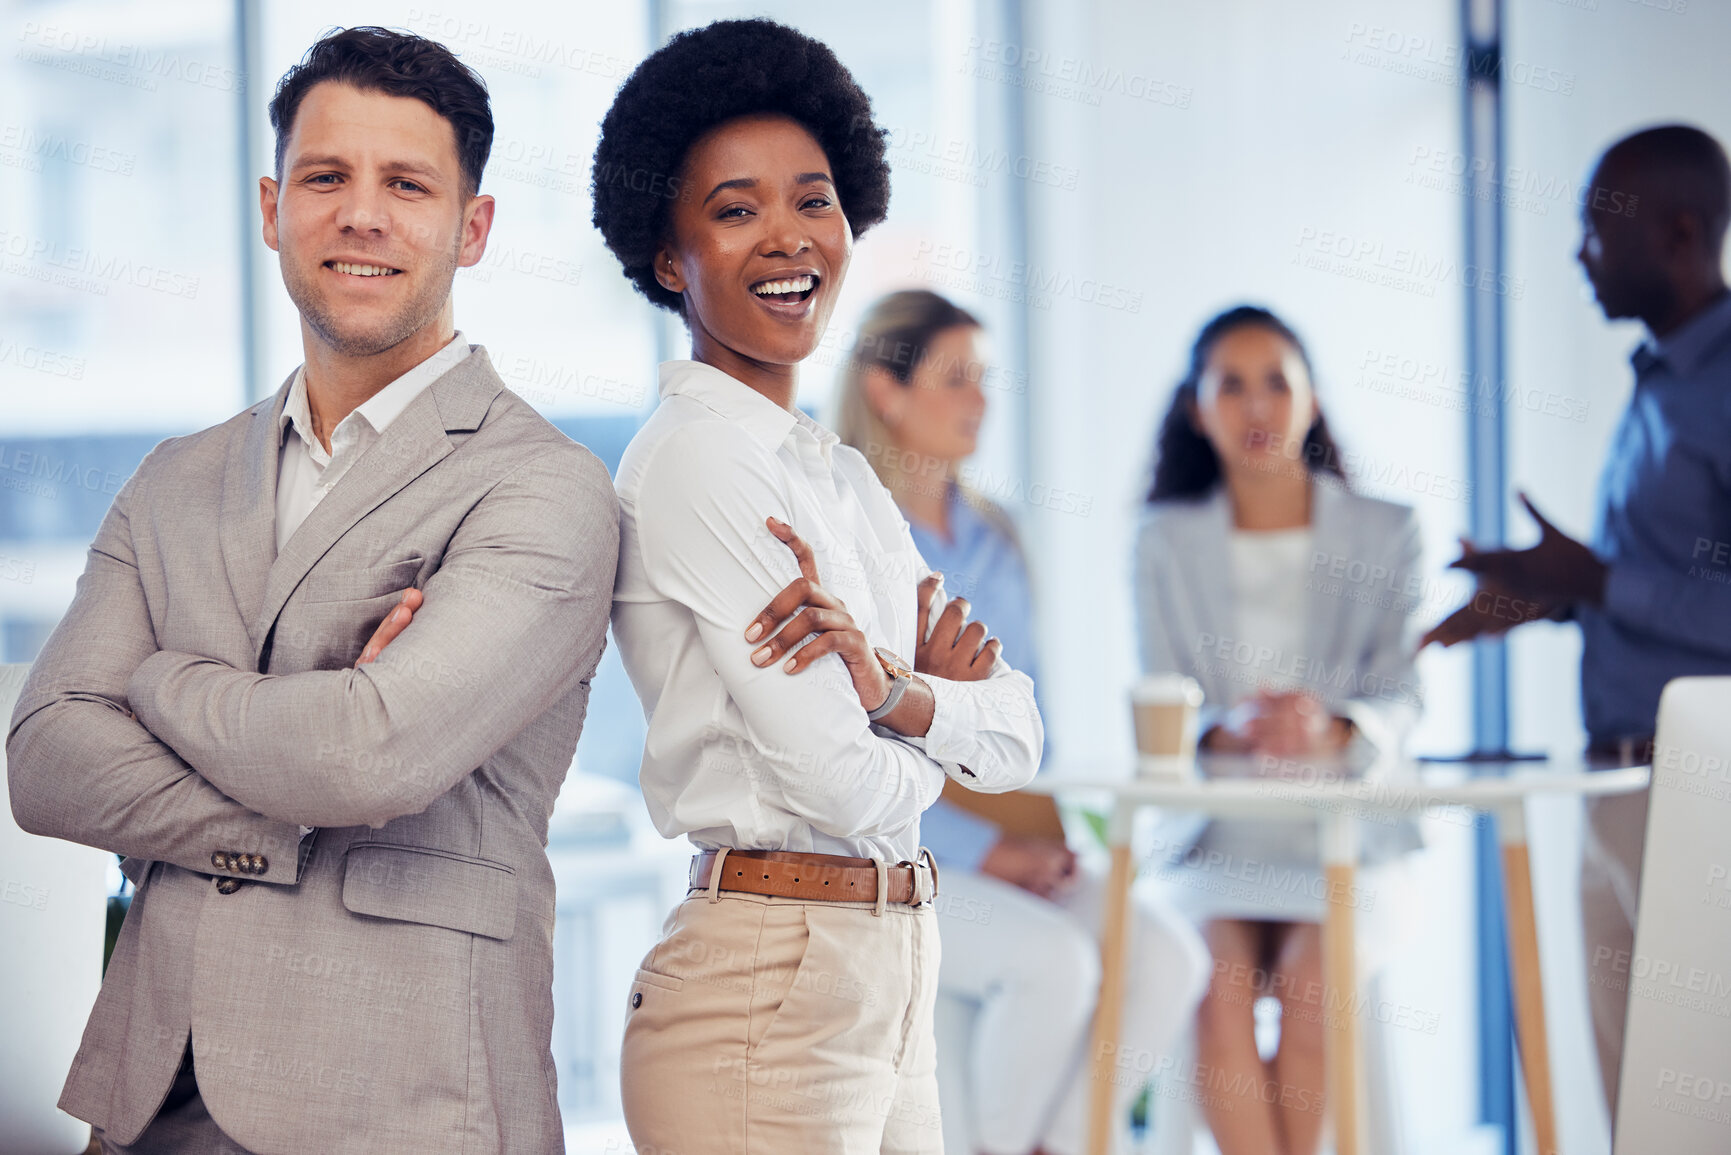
(1558, 570)
(395, 623)
(1521, 585)
(1490, 611)
(958, 649)
(1042, 866)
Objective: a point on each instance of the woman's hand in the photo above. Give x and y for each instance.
(1042, 866)
(1288, 724)
(958, 649)
(808, 609)
(395, 623)
(1294, 725)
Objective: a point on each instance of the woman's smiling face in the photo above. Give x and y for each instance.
(758, 244)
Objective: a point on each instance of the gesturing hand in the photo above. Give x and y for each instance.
(395, 623)
(1490, 611)
(958, 649)
(1520, 585)
(1558, 569)
(810, 611)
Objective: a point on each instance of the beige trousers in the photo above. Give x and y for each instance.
(769, 1025)
(1616, 829)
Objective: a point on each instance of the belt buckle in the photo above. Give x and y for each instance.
(925, 880)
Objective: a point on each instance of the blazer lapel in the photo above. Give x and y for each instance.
(411, 445)
(246, 529)
(1331, 537)
(1210, 561)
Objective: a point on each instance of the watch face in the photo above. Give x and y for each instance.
(893, 665)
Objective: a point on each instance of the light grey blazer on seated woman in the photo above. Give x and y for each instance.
(1362, 581)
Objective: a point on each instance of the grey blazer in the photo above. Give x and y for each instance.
(1363, 585)
(385, 984)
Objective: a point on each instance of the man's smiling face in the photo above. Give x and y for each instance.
(370, 218)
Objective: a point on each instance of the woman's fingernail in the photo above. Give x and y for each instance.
(761, 656)
(788, 665)
(755, 632)
(367, 654)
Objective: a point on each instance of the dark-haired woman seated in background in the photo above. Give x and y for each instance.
(1247, 534)
(788, 1005)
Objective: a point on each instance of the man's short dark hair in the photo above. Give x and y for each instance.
(1688, 170)
(397, 64)
(705, 77)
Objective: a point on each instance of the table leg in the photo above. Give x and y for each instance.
(1114, 961)
(1524, 972)
(1340, 983)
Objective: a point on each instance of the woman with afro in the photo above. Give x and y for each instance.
(806, 686)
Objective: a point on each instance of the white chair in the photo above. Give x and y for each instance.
(53, 912)
(1674, 1093)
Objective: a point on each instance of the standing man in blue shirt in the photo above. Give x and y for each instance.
(1650, 594)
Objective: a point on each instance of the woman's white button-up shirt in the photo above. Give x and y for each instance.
(753, 758)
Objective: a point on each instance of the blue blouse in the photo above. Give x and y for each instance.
(983, 565)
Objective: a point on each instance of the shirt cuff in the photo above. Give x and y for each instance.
(950, 740)
(957, 838)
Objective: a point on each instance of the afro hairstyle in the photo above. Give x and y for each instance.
(705, 77)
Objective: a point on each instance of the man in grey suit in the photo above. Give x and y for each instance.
(341, 938)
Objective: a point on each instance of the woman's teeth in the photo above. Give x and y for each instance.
(363, 270)
(781, 288)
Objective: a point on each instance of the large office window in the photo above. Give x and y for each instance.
(120, 318)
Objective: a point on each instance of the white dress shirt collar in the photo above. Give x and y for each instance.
(741, 404)
(377, 411)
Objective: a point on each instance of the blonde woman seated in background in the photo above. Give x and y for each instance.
(1245, 569)
(1018, 919)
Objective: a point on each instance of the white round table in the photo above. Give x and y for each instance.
(1238, 786)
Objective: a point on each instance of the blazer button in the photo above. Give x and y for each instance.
(260, 864)
(227, 885)
(219, 860)
(636, 999)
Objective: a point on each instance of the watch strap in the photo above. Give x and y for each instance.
(898, 687)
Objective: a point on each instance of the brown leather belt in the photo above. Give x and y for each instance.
(816, 877)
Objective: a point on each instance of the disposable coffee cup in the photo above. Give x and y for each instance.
(1166, 708)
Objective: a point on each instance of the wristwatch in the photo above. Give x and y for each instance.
(901, 676)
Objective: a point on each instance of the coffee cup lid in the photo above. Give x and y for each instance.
(1167, 688)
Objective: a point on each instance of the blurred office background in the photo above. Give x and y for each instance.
(1092, 178)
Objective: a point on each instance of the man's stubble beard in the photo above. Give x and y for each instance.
(416, 313)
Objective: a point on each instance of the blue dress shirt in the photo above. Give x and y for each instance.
(1664, 530)
(983, 565)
